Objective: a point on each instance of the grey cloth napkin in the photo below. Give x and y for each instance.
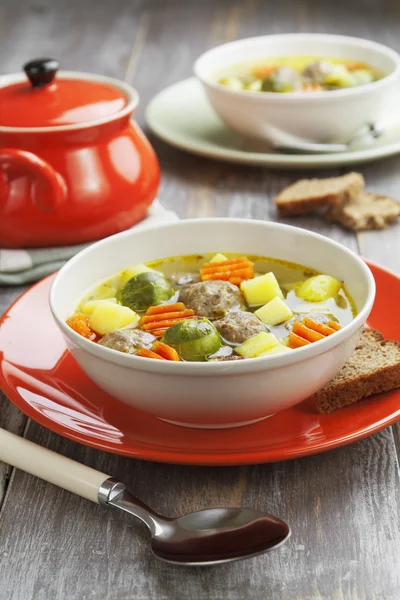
(24, 266)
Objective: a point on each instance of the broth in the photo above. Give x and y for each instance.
(204, 298)
(297, 73)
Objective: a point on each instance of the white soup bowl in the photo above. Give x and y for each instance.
(213, 394)
(321, 116)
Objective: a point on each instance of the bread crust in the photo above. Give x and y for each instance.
(366, 212)
(373, 368)
(308, 195)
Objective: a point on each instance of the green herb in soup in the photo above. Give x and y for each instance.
(297, 74)
(213, 308)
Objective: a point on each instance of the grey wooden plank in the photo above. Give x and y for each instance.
(93, 36)
(383, 246)
(12, 420)
(10, 417)
(69, 548)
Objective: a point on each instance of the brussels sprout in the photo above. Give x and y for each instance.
(144, 290)
(194, 340)
(273, 84)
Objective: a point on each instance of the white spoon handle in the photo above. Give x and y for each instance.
(50, 466)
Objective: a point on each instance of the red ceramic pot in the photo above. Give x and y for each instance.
(73, 166)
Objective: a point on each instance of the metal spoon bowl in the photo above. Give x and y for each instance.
(219, 535)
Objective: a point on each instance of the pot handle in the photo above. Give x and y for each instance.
(53, 189)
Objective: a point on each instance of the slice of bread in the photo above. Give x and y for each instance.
(367, 211)
(308, 195)
(374, 367)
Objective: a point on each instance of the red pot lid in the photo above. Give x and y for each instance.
(44, 101)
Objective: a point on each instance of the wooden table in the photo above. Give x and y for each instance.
(343, 506)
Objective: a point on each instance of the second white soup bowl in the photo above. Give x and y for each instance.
(215, 394)
(323, 116)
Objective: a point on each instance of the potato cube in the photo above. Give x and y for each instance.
(89, 306)
(257, 344)
(130, 272)
(107, 316)
(319, 288)
(274, 312)
(260, 290)
(276, 350)
(218, 258)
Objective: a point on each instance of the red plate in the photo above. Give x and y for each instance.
(39, 375)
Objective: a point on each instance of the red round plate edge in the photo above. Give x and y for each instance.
(201, 459)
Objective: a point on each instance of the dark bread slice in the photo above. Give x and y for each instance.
(367, 211)
(374, 367)
(308, 195)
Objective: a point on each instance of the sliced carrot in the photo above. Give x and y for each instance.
(163, 324)
(295, 341)
(319, 327)
(158, 332)
(230, 261)
(311, 87)
(159, 351)
(236, 280)
(80, 324)
(306, 333)
(246, 273)
(164, 308)
(236, 269)
(334, 325)
(265, 71)
(222, 267)
(169, 315)
(165, 351)
(158, 318)
(149, 354)
(216, 276)
(355, 66)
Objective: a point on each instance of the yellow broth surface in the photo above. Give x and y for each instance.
(284, 74)
(338, 307)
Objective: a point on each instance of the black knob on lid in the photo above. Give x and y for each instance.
(41, 71)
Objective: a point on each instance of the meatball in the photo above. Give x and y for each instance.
(127, 340)
(236, 327)
(317, 71)
(212, 299)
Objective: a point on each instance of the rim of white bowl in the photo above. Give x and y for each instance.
(301, 96)
(130, 93)
(215, 368)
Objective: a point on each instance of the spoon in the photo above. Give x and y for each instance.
(364, 137)
(206, 537)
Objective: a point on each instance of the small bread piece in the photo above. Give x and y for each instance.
(308, 195)
(374, 367)
(367, 211)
